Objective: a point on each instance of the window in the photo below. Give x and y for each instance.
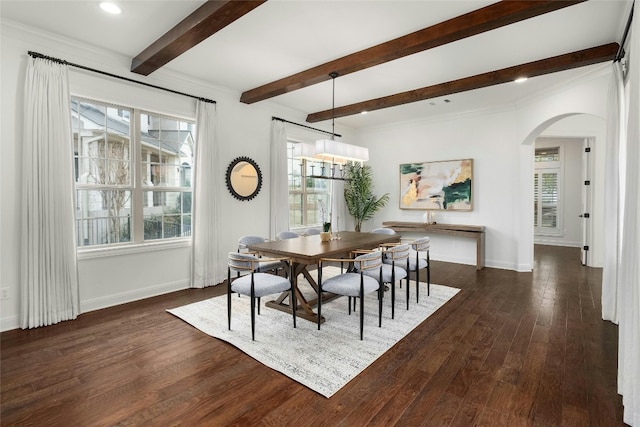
(546, 198)
(307, 196)
(133, 183)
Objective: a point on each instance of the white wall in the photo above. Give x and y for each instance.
(500, 144)
(116, 276)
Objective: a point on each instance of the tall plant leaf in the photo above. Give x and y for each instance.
(361, 203)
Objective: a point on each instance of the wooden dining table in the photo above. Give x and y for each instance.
(306, 251)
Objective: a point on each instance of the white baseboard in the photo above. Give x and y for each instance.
(135, 295)
(13, 322)
(550, 242)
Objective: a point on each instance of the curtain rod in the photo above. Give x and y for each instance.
(305, 126)
(621, 51)
(62, 61)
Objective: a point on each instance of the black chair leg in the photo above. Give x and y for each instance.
(229, 298)
(253, 319)
(258, 299)
(380, 307)
(229, 309)
(361, 316)
(408, 286)
(319, 308)
(417, 282)
(393, 300)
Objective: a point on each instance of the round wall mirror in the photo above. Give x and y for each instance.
(244, 178)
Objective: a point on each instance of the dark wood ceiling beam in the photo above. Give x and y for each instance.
(485, 19)
(208, 19)
(554, 64)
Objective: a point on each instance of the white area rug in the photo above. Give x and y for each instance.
(323, 360)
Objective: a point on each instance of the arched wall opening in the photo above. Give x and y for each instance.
(582, 126)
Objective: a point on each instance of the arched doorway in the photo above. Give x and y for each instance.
(572, 131)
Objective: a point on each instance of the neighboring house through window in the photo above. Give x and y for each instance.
(133, 183)
(309, 198)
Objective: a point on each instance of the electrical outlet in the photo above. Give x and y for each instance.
(4, 293)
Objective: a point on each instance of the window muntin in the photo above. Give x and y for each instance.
(308, 197)
(114, 186)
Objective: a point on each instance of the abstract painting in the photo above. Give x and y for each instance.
(443, 185)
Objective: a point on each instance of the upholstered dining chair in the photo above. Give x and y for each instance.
(418, 260)
(243, 247)
(283, 235)
(395, 267)
(311, 231)
(255, 284)
(353, 285)
(383, 230)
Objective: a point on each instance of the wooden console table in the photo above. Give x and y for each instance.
(473, 231)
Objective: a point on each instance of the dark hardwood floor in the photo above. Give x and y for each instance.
(512, 349)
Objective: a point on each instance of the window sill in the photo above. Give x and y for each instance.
(124, 250)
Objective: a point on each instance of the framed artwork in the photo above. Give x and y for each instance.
(445, 185)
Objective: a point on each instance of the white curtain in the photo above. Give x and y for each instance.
(49, 272)
(629, 270)
(338, 206)
(208, 264)
(616, 134)
(278, 183)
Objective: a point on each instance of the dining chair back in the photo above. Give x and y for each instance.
(383, 230)
(255, 284)
(283, 235)
(352, 284)
(418, 260)
(273, 266)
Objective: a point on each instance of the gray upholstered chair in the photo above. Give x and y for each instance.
(383, 230)
(353, 285)
(418, 260)
(255, 284)
(394, 268)
(311, 231)
(243, 247)
(283, 235)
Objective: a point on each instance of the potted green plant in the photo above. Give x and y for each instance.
(361, 203)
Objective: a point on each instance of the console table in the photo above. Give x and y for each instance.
(473, 231)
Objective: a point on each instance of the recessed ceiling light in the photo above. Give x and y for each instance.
(520, 80)
(363, 112)
(111, 8)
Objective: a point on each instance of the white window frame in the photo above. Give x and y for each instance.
(551, 167)
(308, 167)
(136, 186)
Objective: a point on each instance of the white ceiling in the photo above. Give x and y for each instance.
(280, 38)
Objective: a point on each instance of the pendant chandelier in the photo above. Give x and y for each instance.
(334, 151)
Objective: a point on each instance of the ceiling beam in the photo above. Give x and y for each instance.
(208, 19)
(554, 64)
(485, 19)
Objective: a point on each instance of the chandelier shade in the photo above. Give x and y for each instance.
(339, 152)
(304, 150)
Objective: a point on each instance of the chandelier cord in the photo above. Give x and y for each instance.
(333, 76)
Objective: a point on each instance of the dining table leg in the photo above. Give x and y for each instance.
(304, 308)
